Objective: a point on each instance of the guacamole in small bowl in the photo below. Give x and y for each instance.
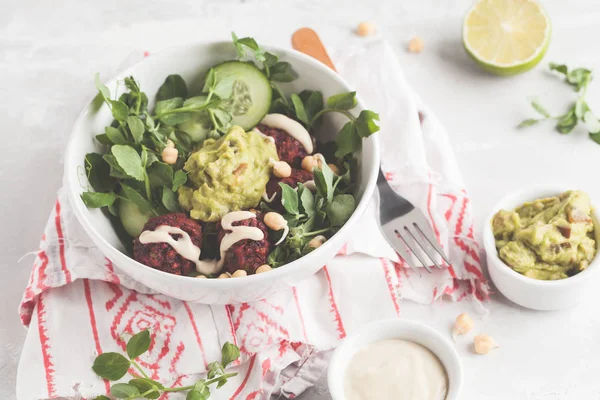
(547, 239)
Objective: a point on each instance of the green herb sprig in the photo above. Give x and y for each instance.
(114, 366)
(310, 214)
(579, 79)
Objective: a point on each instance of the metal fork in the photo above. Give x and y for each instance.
(405, 227)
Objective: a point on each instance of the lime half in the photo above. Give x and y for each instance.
(506, 37)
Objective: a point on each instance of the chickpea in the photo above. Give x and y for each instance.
(239, 273)
(275, 221)
(334, 169)
(365, 29)
(484, 343)
(201, 277)
(170, 153)
(281, 169)
(225, 275)
(463, 324)
(317, 241)
(415, 45)
(263, 268)
(309, 163)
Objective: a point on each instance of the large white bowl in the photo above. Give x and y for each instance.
(191, 62)
(395, 329)
(529, 292)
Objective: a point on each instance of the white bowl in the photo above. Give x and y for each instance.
(534, 293)
(191, 62)
(395, 329)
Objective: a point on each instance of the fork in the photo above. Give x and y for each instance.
(403, 226)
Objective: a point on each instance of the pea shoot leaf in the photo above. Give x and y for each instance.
(139, 343)
(160, 174)
(299, 108)
(365, 123)
(342, 101)
(169, 200)
(129, 160)
(98, 200)
(179, 179)
(567, 122)
(120, 111)
(289, 198)
(102, 88)
(173, 86)
(136, 127)
(282, 71)
(98, 173)
(540, 109)
(136, 198)
(111, 366)
(124, 390)
(307, 200)
(559, 68)
(115, 135)
(340, 209)
(229, 353)
(144, 385)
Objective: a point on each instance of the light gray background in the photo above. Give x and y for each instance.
(49, 53)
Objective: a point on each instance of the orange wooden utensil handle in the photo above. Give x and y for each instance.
(306, 41)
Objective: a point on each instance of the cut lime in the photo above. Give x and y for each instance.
(506, 37)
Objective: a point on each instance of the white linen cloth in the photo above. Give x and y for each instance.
(78, 305)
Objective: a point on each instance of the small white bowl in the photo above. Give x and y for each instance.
(395, 329)
(534, 293)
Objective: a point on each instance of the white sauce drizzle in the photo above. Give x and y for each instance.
(237, 232)
(291, 127)
(286, 230)
(183, 246)
(266, 198)
(271, 138)
(310, 185)
(395, 369)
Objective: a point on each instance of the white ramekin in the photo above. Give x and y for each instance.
(529, 292)
(395, 329)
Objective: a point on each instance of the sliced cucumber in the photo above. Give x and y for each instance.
(132, 219)
(247, 89)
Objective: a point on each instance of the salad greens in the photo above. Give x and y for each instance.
(579, 79)
(114, 366)
(310, 214)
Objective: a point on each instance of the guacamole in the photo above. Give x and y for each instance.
(227, 174)
(547, 239)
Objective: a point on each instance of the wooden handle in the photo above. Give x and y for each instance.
(306, 41)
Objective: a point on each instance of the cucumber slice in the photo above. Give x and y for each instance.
(132, 219)
(247, 89)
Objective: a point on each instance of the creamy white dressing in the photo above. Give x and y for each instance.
(395, 369)
(271, 138)
(183, 246)
(237, 232)
(291, 127)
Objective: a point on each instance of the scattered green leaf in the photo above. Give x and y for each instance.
(98, 200)
(173, 86)
(139, 343)
(111, 366)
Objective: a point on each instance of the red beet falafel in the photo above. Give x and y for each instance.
(246, 254)
(298, 175)
(289, 149)
(162, 256)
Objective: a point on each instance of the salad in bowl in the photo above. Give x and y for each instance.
(224, 170)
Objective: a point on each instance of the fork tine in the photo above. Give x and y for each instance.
(427, 249)
(413, 249)
(424, 227)
(397, 244)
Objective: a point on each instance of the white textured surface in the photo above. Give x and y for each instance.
(49, 53)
